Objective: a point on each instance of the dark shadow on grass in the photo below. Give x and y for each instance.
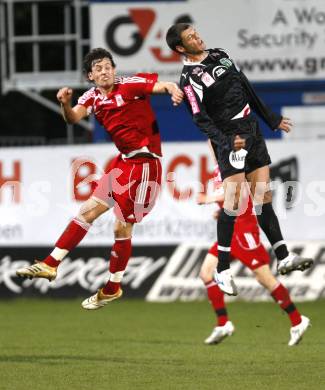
(144, 342)
(47, 358)
(64, 359)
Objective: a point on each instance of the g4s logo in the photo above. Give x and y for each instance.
(144, 19)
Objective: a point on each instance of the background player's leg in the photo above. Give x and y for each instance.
(280, 294)
(215, 295)
(223, 327)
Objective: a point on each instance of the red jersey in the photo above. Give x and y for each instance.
(247, 221)
(126, 113)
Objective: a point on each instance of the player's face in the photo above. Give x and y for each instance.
(192, 42)
(102, 73)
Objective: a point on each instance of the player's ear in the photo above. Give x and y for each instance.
(90, 76)
(180, 49)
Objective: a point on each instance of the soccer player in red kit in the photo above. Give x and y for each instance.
(131, 184)
(246, 247)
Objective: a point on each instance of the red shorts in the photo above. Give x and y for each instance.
(131, 186)
(247, 248)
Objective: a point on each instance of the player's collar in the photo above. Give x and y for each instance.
(99, 92)
(191, 63)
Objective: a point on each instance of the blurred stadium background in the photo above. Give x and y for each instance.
(280, 46)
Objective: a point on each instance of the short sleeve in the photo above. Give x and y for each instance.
(151, 79)
(87, 100)
(140, 84)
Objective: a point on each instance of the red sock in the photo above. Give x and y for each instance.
(70, 238)
(49, 260)
(216, 298)
(120, 255)
(282, 297)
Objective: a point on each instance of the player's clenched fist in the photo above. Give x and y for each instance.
(176, 94)
(64, 95)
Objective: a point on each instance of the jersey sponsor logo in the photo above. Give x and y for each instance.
(218, 71)
(197, 88)
(92, 100)
(226, 62)
(119, 100)
(101, 102)
(207, 80)
(191, 98)
(184, 75)
(197, 70)
(237, 159)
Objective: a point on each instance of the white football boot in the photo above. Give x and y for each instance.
(226, 282)
(98, 300)
(294, 262)
(219, 333)
(296, 332)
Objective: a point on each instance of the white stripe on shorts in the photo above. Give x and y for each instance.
(250, 240)
(141, 196)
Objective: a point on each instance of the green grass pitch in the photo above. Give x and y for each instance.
(130, 344)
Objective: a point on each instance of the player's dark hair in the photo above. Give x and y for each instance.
(173, 36)
(96, 54)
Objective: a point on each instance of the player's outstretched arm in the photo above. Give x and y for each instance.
(272, 119)
(70, 114)
(171, 88)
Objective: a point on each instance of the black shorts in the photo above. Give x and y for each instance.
(253, 157)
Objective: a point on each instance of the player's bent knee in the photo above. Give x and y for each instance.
(122, 229)
(265, 277)
(258, 276)
(260, 279)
